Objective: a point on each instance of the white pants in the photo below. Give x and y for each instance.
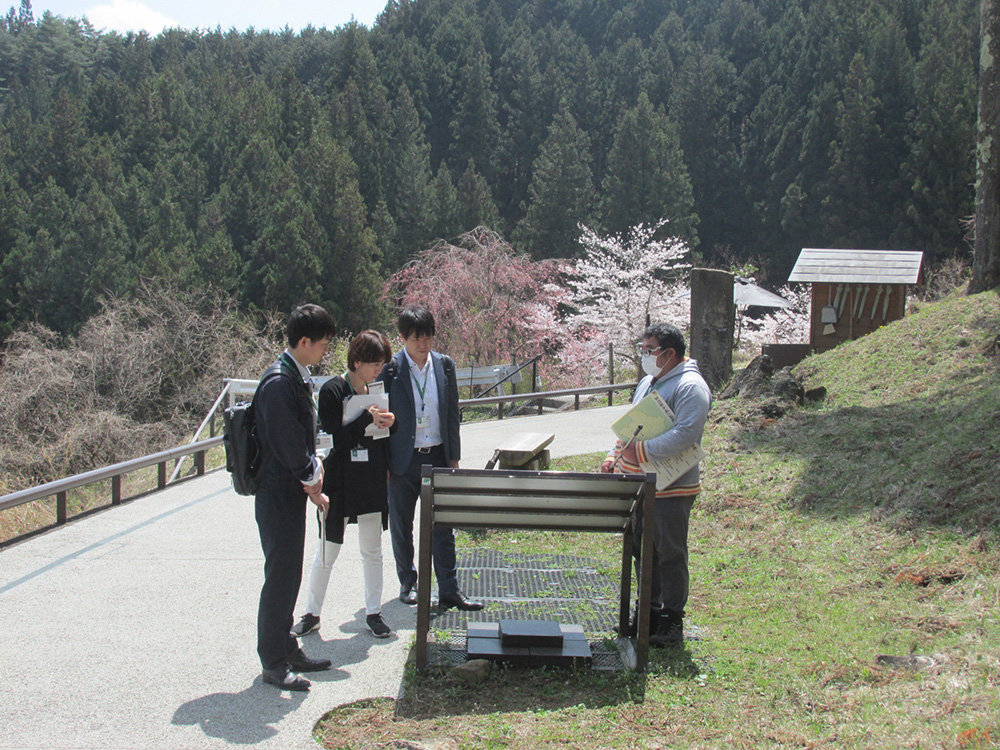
(370, 543)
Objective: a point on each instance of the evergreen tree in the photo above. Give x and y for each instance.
(703, 104)
(387, 236)
(475, 132)
(941, 163)
(13, 220)
(447, 212)
(408, 182)
(351, 126)
(986, 263)
(251, 192)
(217, 260)
(296, 112)
(562, 193)
(283, 268)
(102, 240)
(647, 179)
(347, 251)
(525, 109)
(853, 177)
(475, 201)
(62, 158)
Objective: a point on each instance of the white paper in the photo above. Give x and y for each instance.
(670, 468)
(357, 404)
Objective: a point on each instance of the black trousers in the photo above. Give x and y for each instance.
(404, 492)
(281, 521)
(671, 516)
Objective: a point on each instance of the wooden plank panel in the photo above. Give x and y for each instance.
(563, 483)
(501, 519)
(515, 503)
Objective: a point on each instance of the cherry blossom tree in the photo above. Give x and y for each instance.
(493, 305)
(624, 279)
(785, 325)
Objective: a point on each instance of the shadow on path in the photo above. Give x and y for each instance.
(243, 718)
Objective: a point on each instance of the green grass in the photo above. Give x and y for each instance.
(862, 528)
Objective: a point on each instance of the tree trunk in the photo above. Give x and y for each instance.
(986, 264)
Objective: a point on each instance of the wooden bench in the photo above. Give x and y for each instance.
(525, 450)
(545, 500)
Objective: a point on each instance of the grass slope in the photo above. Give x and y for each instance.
(845, 577)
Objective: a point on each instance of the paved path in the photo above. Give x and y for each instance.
(135, 628)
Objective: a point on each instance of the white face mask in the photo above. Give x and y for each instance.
(649, 365)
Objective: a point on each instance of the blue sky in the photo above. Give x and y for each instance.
(156, 15)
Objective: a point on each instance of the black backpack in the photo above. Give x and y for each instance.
(240, 439)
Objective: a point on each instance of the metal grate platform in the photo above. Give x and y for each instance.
(519, 586)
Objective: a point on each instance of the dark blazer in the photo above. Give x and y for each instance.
(286, 431)
(401, 404)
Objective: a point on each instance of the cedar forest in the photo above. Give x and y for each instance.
(278, 167)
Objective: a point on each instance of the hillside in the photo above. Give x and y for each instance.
(909, 431)
(845, 577)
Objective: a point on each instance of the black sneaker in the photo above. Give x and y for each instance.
(306, 625)
(670, 634)
(377, 626)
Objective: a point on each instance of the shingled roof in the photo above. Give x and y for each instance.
(858, 266)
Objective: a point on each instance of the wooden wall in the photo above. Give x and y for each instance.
(858, 313)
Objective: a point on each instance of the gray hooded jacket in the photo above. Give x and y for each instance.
(686, 392)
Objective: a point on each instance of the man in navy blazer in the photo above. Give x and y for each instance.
(423, 394)
(289, 476)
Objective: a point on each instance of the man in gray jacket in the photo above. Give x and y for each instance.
(678, 379)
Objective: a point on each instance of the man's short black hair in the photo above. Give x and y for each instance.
(415, 319)
(311, 321)
(667, 337)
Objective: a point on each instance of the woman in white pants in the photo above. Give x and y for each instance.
(354, 479)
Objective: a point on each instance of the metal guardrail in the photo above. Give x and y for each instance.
(60, 487)
(514, 376)
(233, 388)
(541, 395)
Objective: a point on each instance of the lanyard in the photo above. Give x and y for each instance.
(421, 389)
(287, 359)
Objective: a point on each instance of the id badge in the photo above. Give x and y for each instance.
(324, 441)
(423, 422)
(359, 454)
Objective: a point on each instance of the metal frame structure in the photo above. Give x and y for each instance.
(543, 500)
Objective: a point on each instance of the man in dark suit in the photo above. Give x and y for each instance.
(289, 473)
(423, 394)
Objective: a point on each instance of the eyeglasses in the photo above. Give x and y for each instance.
(644, 350)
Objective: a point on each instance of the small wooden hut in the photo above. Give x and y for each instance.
(855, 292)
